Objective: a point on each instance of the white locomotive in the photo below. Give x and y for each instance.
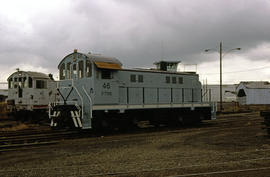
(29, 94)
(97, 92)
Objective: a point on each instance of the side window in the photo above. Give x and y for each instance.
(132, 78)
(62, 72)
(88, 69)
(174, 80)
(81, 69)
(140, 78)
(180, 80)
(10, 83)
(168, 79)
(30, 82)
(41, 84)
(68, 70)
(106, 74)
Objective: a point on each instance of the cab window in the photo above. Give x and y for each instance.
(68, 70)
(25, 85)
(81, 69)
(20, 82)
(15, 82)
(41, 84)
(62, 72)
(88, 69)
(106, 74)
(74, 68)
(30, 82)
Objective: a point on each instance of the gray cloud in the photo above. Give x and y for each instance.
(137, 32)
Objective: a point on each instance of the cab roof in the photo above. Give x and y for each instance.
(100, 60)
(30, 73)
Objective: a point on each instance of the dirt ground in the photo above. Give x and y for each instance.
(231, 145)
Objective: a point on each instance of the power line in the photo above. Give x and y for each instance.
(239, 71)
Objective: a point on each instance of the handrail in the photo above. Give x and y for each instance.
(65, 99)
(79, 95)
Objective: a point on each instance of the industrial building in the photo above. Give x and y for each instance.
(253, 92)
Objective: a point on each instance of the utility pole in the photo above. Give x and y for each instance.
(220, 79)
(220, 67)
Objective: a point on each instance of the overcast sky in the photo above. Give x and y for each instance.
(37, 34)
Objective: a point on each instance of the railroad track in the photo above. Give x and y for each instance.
(18, 140)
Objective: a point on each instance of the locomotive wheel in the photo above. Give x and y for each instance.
(101, 124)
(104, 124)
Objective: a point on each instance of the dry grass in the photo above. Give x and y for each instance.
(20, 126)
(3, 110)
(235, 107)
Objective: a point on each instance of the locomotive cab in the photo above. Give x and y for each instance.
(84, 79)
(29, 92)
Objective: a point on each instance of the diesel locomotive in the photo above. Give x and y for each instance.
(29, 94)
(97, 92)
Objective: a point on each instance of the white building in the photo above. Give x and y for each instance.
(253, 93)
(228, 92)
